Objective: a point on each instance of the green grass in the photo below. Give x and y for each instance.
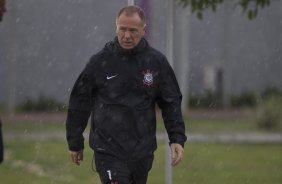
(225, 163)
(30, 161)
(192, 125)
(27, 126)
(213, 125)
(42, 162)
(220, 125)
(200, 124)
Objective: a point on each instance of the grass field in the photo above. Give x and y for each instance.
(46, 161)
(40, 162)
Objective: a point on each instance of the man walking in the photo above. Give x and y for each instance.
(119, 88)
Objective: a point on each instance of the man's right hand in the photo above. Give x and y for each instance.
(76, 156)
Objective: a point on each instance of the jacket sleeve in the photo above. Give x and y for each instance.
(80, 105)
(169, 100)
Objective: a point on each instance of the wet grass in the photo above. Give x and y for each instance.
(221, 125)
(28, 126)
(192, 125)
(217, 125)
(31, 161)
(226, 163)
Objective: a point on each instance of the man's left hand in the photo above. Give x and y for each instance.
(176, 153)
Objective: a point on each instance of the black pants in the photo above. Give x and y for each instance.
(114, 171)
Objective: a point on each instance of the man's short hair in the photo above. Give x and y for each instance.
(132, 9)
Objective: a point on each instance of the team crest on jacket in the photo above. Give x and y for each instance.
(148, 77)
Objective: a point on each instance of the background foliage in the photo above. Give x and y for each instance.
(250, 7)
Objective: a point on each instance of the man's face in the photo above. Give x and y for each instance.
(129, 29)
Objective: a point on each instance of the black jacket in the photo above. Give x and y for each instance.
(120, 88)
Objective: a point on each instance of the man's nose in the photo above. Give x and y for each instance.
(127, 34)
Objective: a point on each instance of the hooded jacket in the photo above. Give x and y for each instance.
(119, 89)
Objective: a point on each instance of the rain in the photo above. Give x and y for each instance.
(228, 67)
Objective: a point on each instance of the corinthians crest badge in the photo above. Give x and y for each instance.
(148, 77)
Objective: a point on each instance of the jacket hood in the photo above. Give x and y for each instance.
(114, 46)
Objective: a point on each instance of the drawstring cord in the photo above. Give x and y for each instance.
(92, 164)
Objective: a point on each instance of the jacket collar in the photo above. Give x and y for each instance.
(141, 46)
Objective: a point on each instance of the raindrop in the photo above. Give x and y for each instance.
(18, 20)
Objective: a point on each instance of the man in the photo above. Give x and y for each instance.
(119, 88)
(2, 11)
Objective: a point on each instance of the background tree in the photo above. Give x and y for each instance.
(250, 7)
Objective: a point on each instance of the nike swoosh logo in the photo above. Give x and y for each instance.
(110, 77)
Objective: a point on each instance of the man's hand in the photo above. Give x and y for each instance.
(176, 153)
(76, 156)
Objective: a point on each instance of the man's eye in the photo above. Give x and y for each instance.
(122, 29)
(133, 30)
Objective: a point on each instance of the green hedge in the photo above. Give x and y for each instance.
(43, 103)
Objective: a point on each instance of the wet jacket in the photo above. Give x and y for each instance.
(119, 89)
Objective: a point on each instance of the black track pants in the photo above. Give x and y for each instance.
(114, 171)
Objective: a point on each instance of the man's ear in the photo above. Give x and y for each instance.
(144, 29)
(116, 26)
(116, 29)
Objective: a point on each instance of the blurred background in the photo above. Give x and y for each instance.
(227, 56)
(45, 44)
